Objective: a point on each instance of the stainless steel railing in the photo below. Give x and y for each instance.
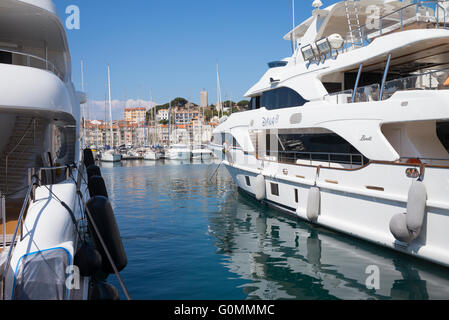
(37, 62)
(16, 231)
(430, 11)
(351, 159)
(433, 80)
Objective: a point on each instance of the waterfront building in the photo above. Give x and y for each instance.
(135, 115)
(162, 115)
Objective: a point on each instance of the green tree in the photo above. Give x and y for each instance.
(243, 103)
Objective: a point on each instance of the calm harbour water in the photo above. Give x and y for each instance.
(188, 237)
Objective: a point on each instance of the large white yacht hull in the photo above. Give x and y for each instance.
(353, 202)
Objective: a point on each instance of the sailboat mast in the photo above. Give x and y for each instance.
(219, 94)
(169, 122)
(84, 106)
(110, 106)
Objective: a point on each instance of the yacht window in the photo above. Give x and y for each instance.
(248, 181)
(296, 196)
(281, 98)
(333, 87)
(443, 134)
(275, 189)
(5, 57)
(254, 103)
(230, 140)
(315, 146)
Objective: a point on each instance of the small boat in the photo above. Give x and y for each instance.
(110, 156)
(200, 153)
(132, 155)
(152, 155)
(178, 152)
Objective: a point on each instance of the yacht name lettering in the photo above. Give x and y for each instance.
(270, 121)
(365, 138)
(195, 311)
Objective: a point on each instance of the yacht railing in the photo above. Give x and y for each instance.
(37, 62)
(16, 231)
(34, 180)
(412, 16)
(311, 158)
(434, 80)
(341, 97)
(3, 210)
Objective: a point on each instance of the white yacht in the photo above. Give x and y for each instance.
(152, 155)
(178, 152)
(44, 202)
(110, 156)
(201, 153)
(351, 132)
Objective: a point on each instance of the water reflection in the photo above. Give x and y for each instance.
(283, 257)
(175, 217)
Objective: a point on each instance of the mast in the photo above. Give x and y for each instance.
(219, 102)
(110, 106)
(84, 106)
(169, 122)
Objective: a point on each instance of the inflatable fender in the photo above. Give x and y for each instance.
(313, 203)
(103, 216)
(406, 227)
(93, 170)
(416, 206)
(102, 291)
(88, 260)
(97, 187)
(88, 158)
(260, 187)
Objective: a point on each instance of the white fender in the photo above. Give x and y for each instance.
(260, 187)
(313, 203)
(407, 227)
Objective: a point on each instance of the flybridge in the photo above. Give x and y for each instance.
(352, 24)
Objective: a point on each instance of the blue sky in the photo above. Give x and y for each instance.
(173, 46)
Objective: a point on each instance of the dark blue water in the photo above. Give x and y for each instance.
(189, 237)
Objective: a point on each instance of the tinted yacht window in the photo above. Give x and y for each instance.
(318, 147)
(281, 98)
(255, 103)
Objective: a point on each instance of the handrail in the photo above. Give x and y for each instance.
(401, 20)
(13, 240)
(29, 56)
(386, 86)
(328, 155)
(33, 121)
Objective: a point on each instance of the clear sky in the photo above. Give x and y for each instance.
(173, 46)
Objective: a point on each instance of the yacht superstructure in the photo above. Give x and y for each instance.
(352, 131)
(45, 199)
